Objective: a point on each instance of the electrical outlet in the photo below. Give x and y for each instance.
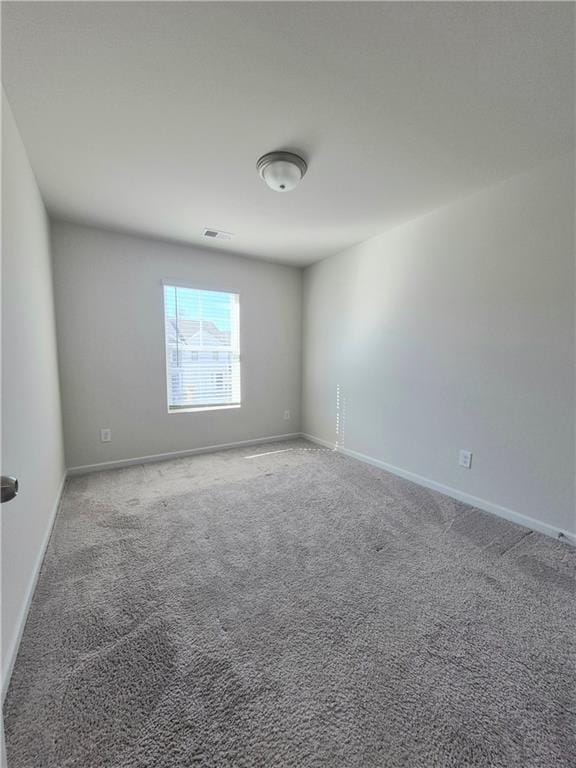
(465, 459)
(286, 415)
(105, 435)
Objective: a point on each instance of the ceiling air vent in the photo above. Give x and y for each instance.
(216, 234)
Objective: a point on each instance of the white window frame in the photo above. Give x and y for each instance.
(199, 408)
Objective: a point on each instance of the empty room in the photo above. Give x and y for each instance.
(288, 385)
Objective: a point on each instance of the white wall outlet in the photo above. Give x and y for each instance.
(465, 459)
(286, 415)
(105, 435)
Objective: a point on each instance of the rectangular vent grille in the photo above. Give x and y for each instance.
(217, 234)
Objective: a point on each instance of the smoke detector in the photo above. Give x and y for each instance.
(217, 234)
(282, 171)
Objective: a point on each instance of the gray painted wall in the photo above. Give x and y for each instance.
(32, 446)
(456, 330)
(108, 289)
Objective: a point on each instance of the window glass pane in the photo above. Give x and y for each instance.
(202, 347)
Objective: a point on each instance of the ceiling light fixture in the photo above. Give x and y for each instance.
(282, 171)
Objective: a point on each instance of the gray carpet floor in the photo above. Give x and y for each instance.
(294, 609)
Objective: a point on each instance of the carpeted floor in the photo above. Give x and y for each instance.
(295, 609)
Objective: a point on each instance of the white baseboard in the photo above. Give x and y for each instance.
(84, 469)
(467, 498)
(13, 652)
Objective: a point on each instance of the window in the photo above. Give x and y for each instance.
(202, 348)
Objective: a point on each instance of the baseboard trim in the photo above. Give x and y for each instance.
(13, 653)
(467, 498)
(87, 468)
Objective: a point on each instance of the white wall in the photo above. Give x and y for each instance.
(111, 344)
(32, 447)
(456, 330)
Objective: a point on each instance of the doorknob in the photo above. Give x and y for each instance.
(9, 487)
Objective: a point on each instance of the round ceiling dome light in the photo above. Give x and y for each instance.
(282, 171)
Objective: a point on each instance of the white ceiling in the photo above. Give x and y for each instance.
(150, 117)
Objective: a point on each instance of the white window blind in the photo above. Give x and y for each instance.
(202, 348)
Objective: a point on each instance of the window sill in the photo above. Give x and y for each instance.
(204, 408)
